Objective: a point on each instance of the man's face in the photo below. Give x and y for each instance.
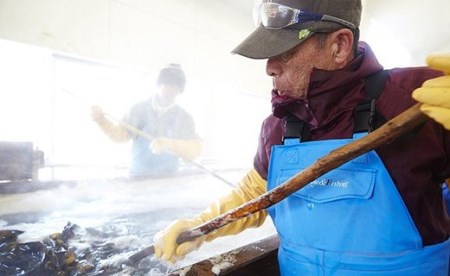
(166, 95)
(291, 70)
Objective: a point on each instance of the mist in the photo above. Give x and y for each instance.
(59, 58)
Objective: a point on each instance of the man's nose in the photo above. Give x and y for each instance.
(273, 67)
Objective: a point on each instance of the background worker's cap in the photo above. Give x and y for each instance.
(172, 74)
(265, 43)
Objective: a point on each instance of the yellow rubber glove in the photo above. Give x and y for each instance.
(97, 113)
(250, 187)
(115, 132)
(435, 93)
(165, 243)
(188, 149)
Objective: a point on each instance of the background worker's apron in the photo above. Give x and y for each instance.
(350, 221)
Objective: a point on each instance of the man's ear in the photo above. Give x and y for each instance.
(342, 46)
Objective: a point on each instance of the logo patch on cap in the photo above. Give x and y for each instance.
(303, 33)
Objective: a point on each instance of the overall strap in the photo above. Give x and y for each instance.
(366, 118)
(296, 129)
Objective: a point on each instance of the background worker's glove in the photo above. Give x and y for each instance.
(115, 132)
(435, 93)
(97, 113)
(250, 187)
(188, 149)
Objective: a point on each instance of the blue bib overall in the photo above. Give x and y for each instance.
(146, 163)
(350, 221)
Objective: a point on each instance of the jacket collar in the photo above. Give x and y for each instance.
(330, 92)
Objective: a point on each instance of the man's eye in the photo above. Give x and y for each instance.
(287, 56)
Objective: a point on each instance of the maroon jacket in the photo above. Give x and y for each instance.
(417, 165)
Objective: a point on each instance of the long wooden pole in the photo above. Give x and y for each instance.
(401, 124)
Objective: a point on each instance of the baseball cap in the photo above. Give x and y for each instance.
(266, 42)
(172, 74)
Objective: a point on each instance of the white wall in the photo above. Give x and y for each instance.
(141, 34)
(402, 33)
(201, 33)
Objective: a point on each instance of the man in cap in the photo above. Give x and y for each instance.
(380, 213)
(161, 130)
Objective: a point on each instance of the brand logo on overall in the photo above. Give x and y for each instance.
(330, 183)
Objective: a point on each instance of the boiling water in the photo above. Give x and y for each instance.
(121, 214)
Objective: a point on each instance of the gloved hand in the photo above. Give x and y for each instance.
(115, 132)
(435, 93)
(188, 149)
(166, 246)
(160, 145)
(250, 187)
(97, 113)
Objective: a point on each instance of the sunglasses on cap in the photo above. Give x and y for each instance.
(276, 16)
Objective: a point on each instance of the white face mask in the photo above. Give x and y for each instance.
(165, 98)
(157, 107)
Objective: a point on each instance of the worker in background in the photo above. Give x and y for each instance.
(383, 212)
(162, 132)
